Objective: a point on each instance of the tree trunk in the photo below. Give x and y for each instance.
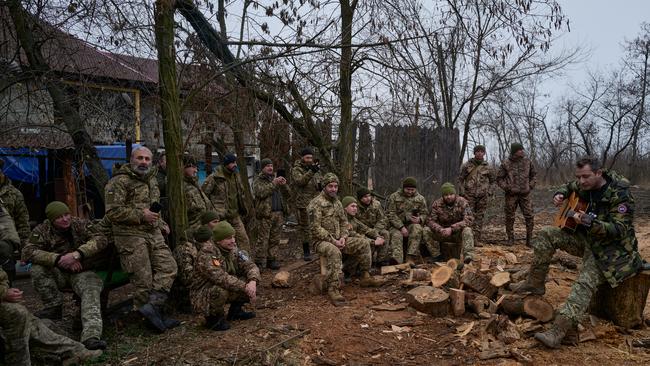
(347, 125)
(170, 107)
(86, 152)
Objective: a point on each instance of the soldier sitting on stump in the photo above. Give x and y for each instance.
(372, 215)
(407, 213)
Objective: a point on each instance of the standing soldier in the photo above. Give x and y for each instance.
(372, 215)
(137, 231)
(269, 192)
(226, 192)
(450, 220)
(305, 181)
(56, 248)
(407, 214)
(476, 182)
(517, 179)
(195, 200)
(14, 204)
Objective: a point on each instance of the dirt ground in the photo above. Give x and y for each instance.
(293, 327)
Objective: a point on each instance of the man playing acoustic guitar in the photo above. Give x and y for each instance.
(604, 237)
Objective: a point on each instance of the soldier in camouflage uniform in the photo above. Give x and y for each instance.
(476, 183)
(305, 185)
(358, 245)
(196, 202)
(604, 237)
(137, 232)
(226, 192)
(269, 192)
(372, 215)
(56, 249)
(407, 214)
(20, 329)
(517, 179)
(450, 220)
(223, 274)
(14, 204)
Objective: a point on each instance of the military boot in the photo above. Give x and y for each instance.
(410, 260)
(273, 265)
(153, 317)
(216, 322)
(335, 296)
(572, 337)
(53, 312)
(368, 281)
(553, 337)
(159, 299)
(79, 357)
(237, 313)
(94, 343)
(306, 254)
(533, 284)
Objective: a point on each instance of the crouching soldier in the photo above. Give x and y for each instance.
(223, 274)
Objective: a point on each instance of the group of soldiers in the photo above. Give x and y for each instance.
(218, 265)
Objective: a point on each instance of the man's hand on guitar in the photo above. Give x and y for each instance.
(558, 199)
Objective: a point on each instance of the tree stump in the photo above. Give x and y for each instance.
(441, 275)
(450, 250)
(531, 306)
(624, 304)
(429, 300)
(479, 283)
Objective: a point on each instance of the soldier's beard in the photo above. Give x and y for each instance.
(141, 169)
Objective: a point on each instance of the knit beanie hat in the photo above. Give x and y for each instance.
(409, 182)
(56, 209)
(329, 178)
(347, 200)
(229, 158)
(447, 188)
(202, 234)
(188, 161)
(306, 151)
(362, 192)
(479, 148)
(515, 146)
(265, 162)
(223, 230)
(208, 216)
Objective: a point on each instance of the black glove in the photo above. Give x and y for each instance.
(315, 168)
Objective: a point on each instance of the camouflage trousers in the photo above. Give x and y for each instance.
(590, 277)
(303, 225)
(241, 237)
(464, 237)
(219, 297)
(149, 263)
(479, 206)
(87, 285)
(357, 249)
(416, 238)
(525, 201)
(21, 329)
(381, 253)
(268, 236)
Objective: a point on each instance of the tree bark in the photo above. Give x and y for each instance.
(171, 117)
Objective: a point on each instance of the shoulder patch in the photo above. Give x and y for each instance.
(243, 255)
(622, 208)
(216, 262)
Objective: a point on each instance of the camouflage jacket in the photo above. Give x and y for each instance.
(196, 202)
(127, 195)
(476, 178)
(517, 175)
(47, 243)
(8, 229)
(226, 193)
(265, 192)
(14, 203)
(612, 237)
(304, 184)
(373, 215)
(327, 220)
(185, 255)
(400, 206)
(4, 284)
(358, 229)
(457, 215)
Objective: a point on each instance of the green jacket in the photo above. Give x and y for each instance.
(400, 207)
(304, 184)
(226, 192)
(14, 203)
(327, 221)
(263, 191)
(196, 202)
(373, 215)
(612, 237)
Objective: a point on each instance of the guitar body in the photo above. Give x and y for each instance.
(571, 204)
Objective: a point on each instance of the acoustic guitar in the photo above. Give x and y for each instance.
(564, 219)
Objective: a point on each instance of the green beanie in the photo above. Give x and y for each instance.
(362, 192)
(329, 178)
(409, 182)
(223, 230)
(56, 209)
(447, 188)
(208, 216)
(347, 200)
(515, 146)
(479, 148)
(202, 234)
(265, 162)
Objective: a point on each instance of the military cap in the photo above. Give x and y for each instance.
(447, 188)
(362, 192)
(223, 230)
(329, 178)
(515, 146)
(56, 209)
(409, 182)
(208, 216)
(188, 161)
(479, 148)
(347, 200)
(229, 158)
(265, 162)
(306, 151)
(202, 234)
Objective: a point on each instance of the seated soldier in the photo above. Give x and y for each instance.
(372, 215)
(20, 329)
(185, 254)
(196, 202)
(223, 274)
(450, 221)
(56, 248)
(357, 247)
(210, 218)
(407, 214)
